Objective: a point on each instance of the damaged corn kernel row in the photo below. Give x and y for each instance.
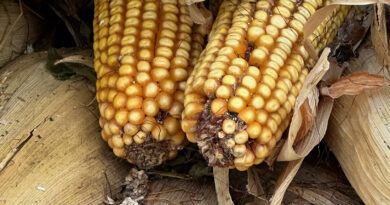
(239, 98)
(144, 51)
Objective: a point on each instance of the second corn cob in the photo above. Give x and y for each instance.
(144, 51)
(239, 98)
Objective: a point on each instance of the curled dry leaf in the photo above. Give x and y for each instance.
(81, 59)
(354, 84)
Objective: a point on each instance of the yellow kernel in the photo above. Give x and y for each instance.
(241, 137)
(159, 132)
(236, 104)
(193, 109)
(278, 21)
(272, 125)
(239, 150)
(123, 82)
(210, 86)
(257, 102)
(134, 90)
(151, 90)
(280, 95)
(136, 116)
(191, 137)
(127, 139)
(263, 90)
(114, 128)
(142, 78)
(134, 102)
(168, 86)
(121, 117)
(177, 139)
(272, 105)
(247, 114)
(219, 106)
(229, 80)
(261, 116)
(148, 124)
(119, 100)
(249, 82)
(254, 32)
(254, 130)
(150, 107)
(119, 152)
(117, 141)
(224, 91)
(265, 136)
(176, 109)
(172, 125)
(244, 93)
(265, 40)
(159, 74)
(109, 112)
(130, 129)
(228, 126)
(261, 150)
(258, 57)
(140, 137)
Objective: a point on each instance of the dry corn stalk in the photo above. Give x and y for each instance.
(239, 98)
(144, 52)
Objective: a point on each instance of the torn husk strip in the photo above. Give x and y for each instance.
(309, 92)
(202, 16)
(221, 181)
(313, 137)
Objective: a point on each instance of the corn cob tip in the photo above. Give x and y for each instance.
(240, 95)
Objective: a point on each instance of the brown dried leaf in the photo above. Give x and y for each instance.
(354, 84)
(307, 121)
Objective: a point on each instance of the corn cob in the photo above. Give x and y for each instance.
(239, 98)
(144, 51)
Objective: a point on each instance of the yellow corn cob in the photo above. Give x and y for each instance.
(240, 95)
(144, 51)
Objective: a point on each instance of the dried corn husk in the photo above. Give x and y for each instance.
(358, 135)
(17, 30)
